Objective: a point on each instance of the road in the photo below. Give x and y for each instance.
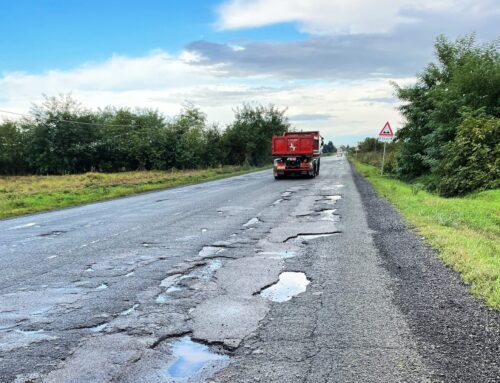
(238, 280)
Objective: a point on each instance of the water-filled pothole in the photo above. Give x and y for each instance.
(329, 215)
(166, 296)
(332, 198)
(208, 251)
(290, 284)
(206, 272)
(191, 358)
(102, 286)
(252, 221)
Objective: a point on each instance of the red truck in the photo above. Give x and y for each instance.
(297, 153)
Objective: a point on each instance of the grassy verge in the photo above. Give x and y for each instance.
(466, 230)
(29, 194)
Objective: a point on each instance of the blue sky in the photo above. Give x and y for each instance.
(329, 62)
(61, 34)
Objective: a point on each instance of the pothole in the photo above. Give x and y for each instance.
(208, 251)
(289, 285)
(329, 215)
(102, 286)
(278, 201)
(99, 328)
(251, 222)
(193, 359)
(166, 296)
(307, 236)
(205, 272)
(53, 233)
(332, 198)
(129, 310)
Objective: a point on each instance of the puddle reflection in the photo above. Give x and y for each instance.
(289, 285)
(191, 358)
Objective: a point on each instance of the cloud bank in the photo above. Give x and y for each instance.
(325, 17)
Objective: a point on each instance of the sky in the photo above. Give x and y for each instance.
(331, 63)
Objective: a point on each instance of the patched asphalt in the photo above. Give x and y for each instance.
(135, 289)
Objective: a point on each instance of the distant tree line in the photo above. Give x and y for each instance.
(450, 140)
(329, 148)
(61, 137)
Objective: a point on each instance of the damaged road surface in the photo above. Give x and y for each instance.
(244, 279)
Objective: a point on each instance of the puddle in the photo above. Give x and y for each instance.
(332, 198)
(191, 358)
(173, 289)
(210, 269)
(165, 297)
(329, 215)
(251, 222)
(102, 286)
(162, 298)
(205, 272)
(208, 251)
(130, 310)
(289, 285)
(314, 236)
(54, 233)
(99, 328)
(286, 194)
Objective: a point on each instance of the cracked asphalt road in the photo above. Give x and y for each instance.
(105, 292)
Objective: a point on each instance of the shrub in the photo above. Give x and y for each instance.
(472, 160)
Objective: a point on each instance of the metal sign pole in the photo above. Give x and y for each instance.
(383, 160)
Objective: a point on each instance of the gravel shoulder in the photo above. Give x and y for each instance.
(457, 337)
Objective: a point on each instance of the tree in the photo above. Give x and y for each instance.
(12, 149)
(465, 79)
(329, 148)
(472, 160)
(248, 139)
(61, 136)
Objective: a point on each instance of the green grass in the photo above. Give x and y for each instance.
(30, 194)
(465, 230)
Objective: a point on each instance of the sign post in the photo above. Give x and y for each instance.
(386, 135)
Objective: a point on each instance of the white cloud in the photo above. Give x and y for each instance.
(166, 82)
(340, 16)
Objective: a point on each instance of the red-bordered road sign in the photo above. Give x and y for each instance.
(386, 131)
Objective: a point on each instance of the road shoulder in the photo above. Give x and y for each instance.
(455, 334)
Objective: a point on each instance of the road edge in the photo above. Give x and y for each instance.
(457, 337)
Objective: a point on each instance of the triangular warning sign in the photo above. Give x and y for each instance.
(386, 130)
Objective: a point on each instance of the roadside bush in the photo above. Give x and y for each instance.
(472, 160)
